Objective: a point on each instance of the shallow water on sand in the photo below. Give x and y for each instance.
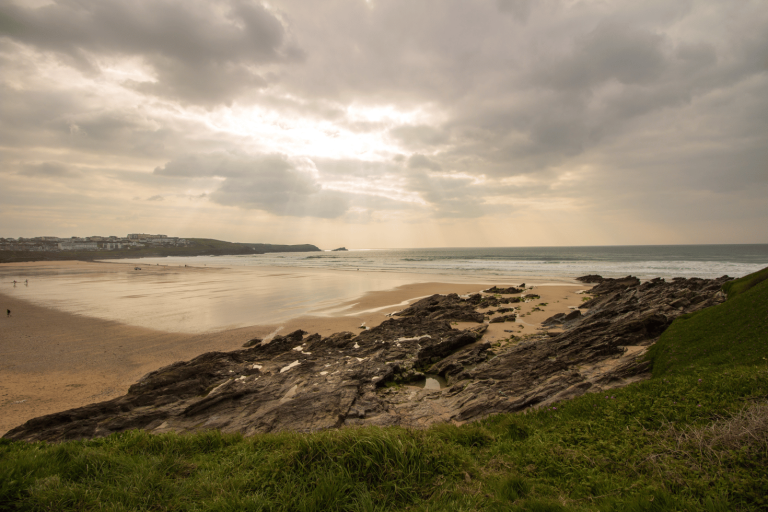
(217, 293)
(193, 300)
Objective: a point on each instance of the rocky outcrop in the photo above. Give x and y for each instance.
(508, 290)
(503, 318)
(447, 307)
(614, 285)
(591, 278)
(308, 382)
(562, 318)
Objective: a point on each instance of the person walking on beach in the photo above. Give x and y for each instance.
(9, 313)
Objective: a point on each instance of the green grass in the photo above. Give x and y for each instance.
(694, 437)
(734, 333)
(737, 286)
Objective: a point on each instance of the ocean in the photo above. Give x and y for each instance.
(213, 293)
(643, 261)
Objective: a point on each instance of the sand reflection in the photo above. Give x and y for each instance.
(191, 299)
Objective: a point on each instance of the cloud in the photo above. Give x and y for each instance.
(520, 9)
(449, 195)
(272, 183)
(207, 83)
(355, 168)
(156, 198)
(76, 120)
(281, 195)
(223, 165)
(419, 161)
(416, 136)
(50, 170)
(614, 50)
(198, 52)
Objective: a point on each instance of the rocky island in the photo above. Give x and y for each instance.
(305, 382)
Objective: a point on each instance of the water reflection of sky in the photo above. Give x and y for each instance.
(190, 300)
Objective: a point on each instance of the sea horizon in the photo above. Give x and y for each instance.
(645, 261)
(531, 246)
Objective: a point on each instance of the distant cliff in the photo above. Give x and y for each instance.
(198, 247)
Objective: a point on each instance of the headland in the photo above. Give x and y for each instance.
(133, 246)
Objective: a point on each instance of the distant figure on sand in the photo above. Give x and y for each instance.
(9, 313)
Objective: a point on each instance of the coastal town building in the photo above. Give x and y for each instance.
(78, 246)
(143, 236)
(91, 243)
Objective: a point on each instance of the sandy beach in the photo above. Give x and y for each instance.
(53, 359)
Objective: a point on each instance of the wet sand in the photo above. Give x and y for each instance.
(195, 299)
(52, 360)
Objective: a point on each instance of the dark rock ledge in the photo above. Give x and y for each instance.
(308, 383)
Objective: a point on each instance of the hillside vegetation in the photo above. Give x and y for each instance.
(693, 437)
(198, 247)
(738, 286)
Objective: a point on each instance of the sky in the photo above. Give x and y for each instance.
(386, 123)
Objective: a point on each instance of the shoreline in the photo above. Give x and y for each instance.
(205, 299)
(53, 360)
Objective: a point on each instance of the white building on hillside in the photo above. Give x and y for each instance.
(144, 236)
(78, 246)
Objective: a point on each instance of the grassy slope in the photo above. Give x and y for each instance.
(737, 286)
(691, 438)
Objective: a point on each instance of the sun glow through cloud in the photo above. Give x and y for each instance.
(295, 134)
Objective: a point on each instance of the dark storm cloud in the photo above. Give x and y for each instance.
(201, 52)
